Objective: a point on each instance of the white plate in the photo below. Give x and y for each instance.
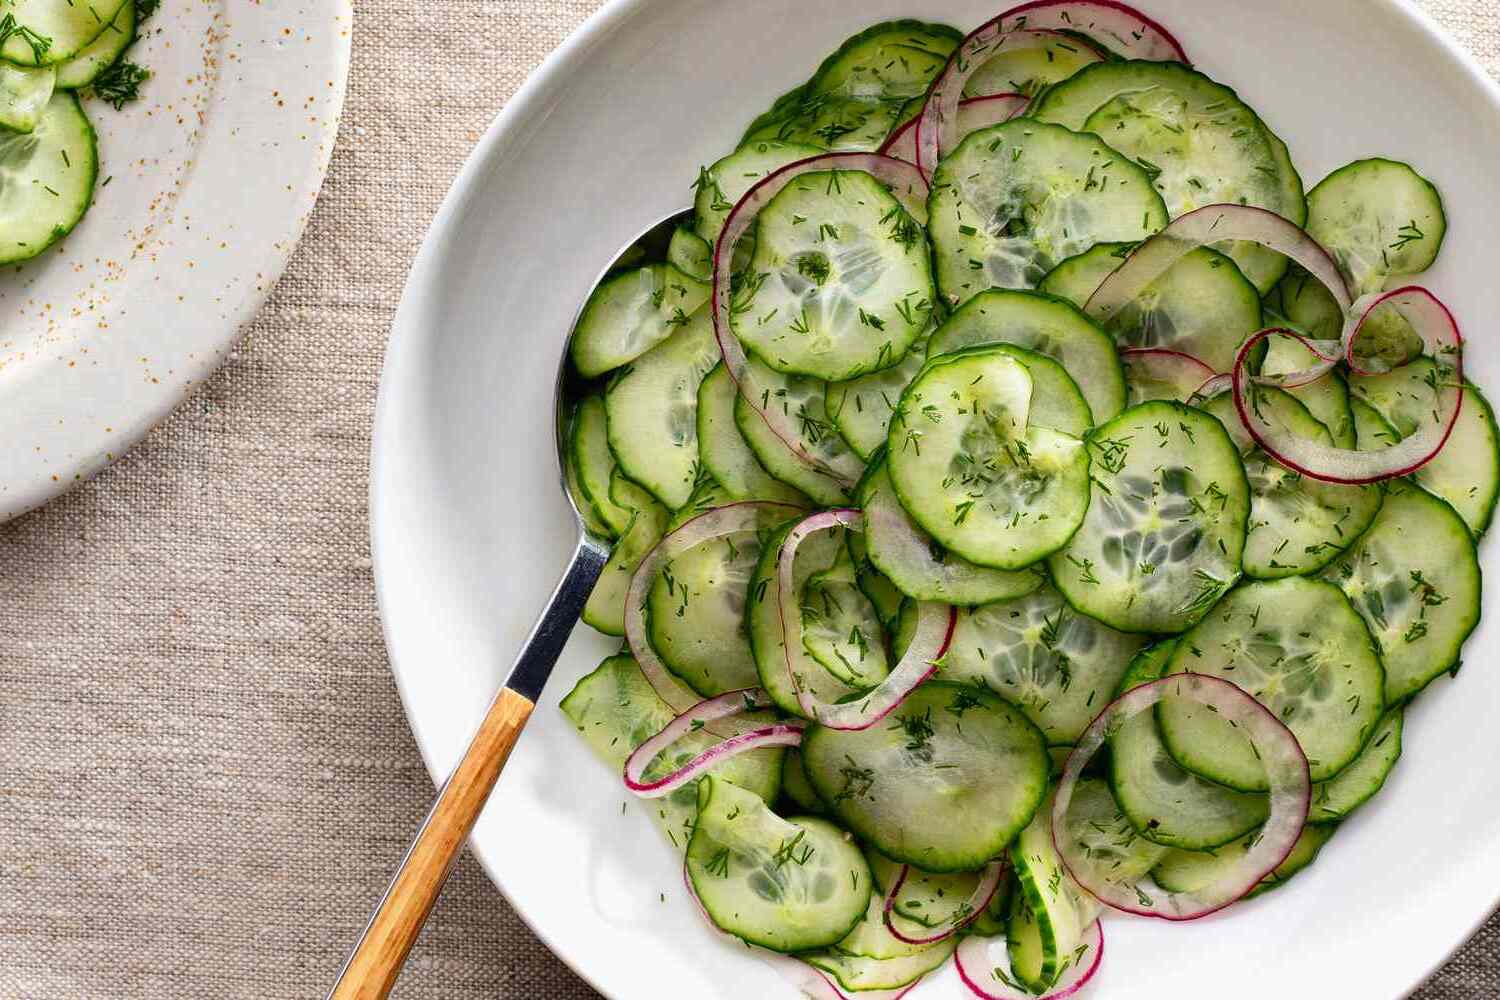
(212, 175)
(469, 528)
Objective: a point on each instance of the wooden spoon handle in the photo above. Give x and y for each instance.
(377, 959)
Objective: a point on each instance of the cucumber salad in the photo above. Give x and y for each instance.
(1029, 504)
(51, 53)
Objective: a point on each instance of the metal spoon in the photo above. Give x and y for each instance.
(372, 967)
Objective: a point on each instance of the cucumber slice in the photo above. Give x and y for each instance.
(945, 784)
(861, 408)
(1166, 523)
(696, 615)
(976, 472)
(919, 567)
(1414, 578)
(723, 450)
(46, 178)
(722, 185)
(1303, 301)
(860, 975)
(931, 902)
(1358, 783)
(1298, 525)
(1189, 871)
(1407, 397)
(1372, 431)
(1202, 306)
(1030, 71)
(1466, 473)
(871, 938)
(814, 556)
(24, 93)
(875, 584)
(1379, 219)
(1113, 851)
(1058, 666)
(842, 629)
(784, 884)
(630, 313)
(1014, 200)
(1199, 142)
(605, 609)
(1046, 325)
(651, 411)
(795, 786)
(586, 509)
(1300, 649)
(803, 397)
(615, 710)
(49, 32)
(101, 53)
(589, 449)
(840, 282)
(691, 254)
(1327, 399)
(1048, 912)
(1164, 803)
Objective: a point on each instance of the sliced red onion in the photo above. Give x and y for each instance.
(1204, 226)
(989, 883)
(974, 113)
(1118, 27)
(938, 126)
(1290, 797)
(1441, 339)
(979, 958)
(780, 734)
(731, 519)
(1183, 372)
(909, 187)
(935, 623)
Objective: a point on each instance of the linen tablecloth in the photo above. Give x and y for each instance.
(205, 775)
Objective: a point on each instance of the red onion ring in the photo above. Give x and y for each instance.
(935, 624)
(989, 884)
(1290, 796)
(974, 962)
(974, 113)
(909, 187)
(731, 519)
(1183, 371)
(1118, 27)
(781, 734)
(1440, 335)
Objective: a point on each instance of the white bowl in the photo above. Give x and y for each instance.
(470, 530)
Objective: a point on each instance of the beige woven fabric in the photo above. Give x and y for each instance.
(205, 775)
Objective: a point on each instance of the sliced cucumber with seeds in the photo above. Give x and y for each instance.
(596, 464)
(1014, 200)
(1202, 306)
(972, 771)
(1298, 524)
(630, 313)
(1299, 648)
(1380, 219)
(1164, 803)
(1414, 578)
(1466, 473)
(975, 471)
(723, 449)
(1059, 667)
(841, 281)
(1031, 70)
(615, 710)
(861, 408)
(801, 398)
(46, 178)
(24, 93)
(722, 185)
(605, 609)
(842, 629)
(784, 884)
(651, 411)
(1189, 871)
(691, 254)
(50, 32)
(1046, 325)
(1166, 523)
(1199, 142)
(1360, 781)
(1327, 399)
(100, 54)
(924, 570)
(696, 614)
